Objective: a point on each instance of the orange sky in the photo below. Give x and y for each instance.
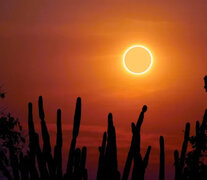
(65, 49)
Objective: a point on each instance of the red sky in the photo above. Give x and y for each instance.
(65, 49)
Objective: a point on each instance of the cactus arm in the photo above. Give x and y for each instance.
(101, 157)
(83, 170)
(162, 159)
(135, 144)
(45, 134)
(58, 147)
(185, 144)
(76, 126)
(46, 139)
(146, 157)
(141, 117)
(77, 118)
(177, 165)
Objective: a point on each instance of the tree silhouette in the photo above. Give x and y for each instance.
(11, 144)
(2, 94)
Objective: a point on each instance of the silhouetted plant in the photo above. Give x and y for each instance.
(58, 148)
(77, 158)
(102, 149)
(108, 165)
(196, 168)
(162, 159)
(39, 164)
(205, 81)
(11, 144)
(2, 94)
(140, 163)
(46, 140)
(179, 161)
(35, 151)
(192, 165)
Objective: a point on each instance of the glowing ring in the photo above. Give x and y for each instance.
(139, 46)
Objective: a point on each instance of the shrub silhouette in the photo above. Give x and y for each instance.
(11, 144)
(195, 165)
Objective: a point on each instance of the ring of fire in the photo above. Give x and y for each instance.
(143, 48)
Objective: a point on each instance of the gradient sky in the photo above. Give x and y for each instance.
(64, 49)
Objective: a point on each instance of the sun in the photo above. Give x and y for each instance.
(137, 59)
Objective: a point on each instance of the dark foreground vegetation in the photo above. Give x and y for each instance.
(39, 163)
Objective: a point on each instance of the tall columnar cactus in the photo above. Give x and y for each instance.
(111, 151)
(76, 126)
(108, 165)
(179, 161)
(34, 149)
(77, 118)
(134, 152)
(83, 169)
(202, 129)
(162, 159)
(76, 159)
(46, 140)
(58, 148)
(205, 81)
(101, 160)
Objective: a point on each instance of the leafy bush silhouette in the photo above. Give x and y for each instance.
(11, 144)
(195, 165)
(191, 165)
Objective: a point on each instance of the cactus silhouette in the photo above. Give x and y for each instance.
(108, 165)
(83, 169)
(189, 165)
(77, 158)
(46, 140)
(39, 164)
(134, 152)
(49, 167)
(101, 158)
(34, 150)
(58, 148)
(195, 167)
(179, 161)
(205, 81)
(162, 159)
